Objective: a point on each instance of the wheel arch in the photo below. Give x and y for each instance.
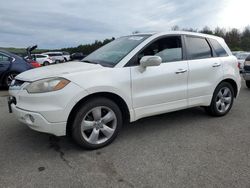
(233, 84)
(112, 96)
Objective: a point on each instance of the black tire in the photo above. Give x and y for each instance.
(248, 84)
(57, 61)
(213, 110)
(46, 63)
(65, 60)
(85, 112)
(7, 80)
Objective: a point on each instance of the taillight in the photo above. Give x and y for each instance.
(239, 65)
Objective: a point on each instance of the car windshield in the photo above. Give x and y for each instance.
(113, 52)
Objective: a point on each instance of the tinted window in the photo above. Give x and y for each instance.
(53, 55)
(248, 58)
(65, 53)
(198, 48)
(4, 58)
(169, 49)
(40, 56)
(219, 50)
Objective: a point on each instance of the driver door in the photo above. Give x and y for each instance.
(162, 88)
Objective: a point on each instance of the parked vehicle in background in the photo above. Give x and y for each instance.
(66, 56)
(235, 53)
(33, 63)
(130, 78)
(246, 71)
(56, 57)
(241, 59)
(10, 66)
(77, 56)
(42, 59)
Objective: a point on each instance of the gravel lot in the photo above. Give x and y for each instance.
(181, 149)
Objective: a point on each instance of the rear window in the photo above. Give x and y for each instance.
(66, 53)
(198, 48)
(219, 50)
(248, 58)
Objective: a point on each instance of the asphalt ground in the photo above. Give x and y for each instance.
(187, 148)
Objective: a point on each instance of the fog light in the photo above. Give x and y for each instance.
(29, 119)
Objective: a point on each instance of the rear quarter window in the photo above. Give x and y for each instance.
(219, 50)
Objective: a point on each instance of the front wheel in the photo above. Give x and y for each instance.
(248, 84)
(97, 123)
(222, 100)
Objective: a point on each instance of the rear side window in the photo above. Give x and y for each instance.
(54, 54)
(198, 48)
(40, 56)
(219, 50)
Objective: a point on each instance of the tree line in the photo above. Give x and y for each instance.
(236, 39)
(88, 48)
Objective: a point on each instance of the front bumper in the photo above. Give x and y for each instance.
(45, 112)
(37, 122)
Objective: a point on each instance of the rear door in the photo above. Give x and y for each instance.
(4, 63)
(205, 70)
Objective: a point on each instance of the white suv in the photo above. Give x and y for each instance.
(56, 57)
(42, 59)
(130, 78)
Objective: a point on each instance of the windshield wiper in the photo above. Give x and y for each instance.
(87, 61)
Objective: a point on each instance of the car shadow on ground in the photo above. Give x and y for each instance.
(130, 131)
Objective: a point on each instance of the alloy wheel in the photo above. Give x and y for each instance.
(223, 99)
(98, 125)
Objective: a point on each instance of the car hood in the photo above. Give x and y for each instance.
(57, 70)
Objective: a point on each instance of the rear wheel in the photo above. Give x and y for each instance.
(9, 78)
(222, 100)
(248, 84)
(97, 123)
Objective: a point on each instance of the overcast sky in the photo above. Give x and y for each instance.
(65, 23)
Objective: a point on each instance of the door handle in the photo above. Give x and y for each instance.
(180, 71)
(216, 65)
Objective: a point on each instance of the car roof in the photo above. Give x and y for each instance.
(53, 52)
(180, 33)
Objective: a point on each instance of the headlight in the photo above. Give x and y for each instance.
(47, 85)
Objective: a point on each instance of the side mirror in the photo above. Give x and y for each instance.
(11, 59)
(148, 61)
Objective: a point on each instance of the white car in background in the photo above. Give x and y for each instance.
(130, 78)
(42, 59)
(66, 56)
(56, 57)
(241, 59)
